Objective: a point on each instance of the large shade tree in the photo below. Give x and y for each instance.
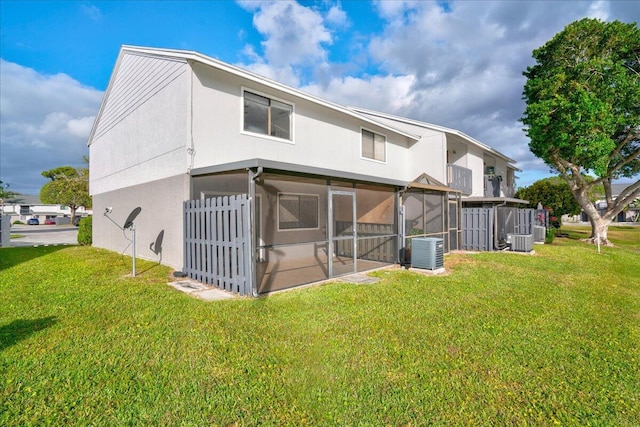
(583, 112)
(67, 186)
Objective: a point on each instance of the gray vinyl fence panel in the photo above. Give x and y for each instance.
(478, 225)
(217, 245)
(477, 229)
(525, 222)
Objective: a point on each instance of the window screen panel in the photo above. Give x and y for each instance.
(281, 120)
(256, 113)
(297, 211)
(367, 144)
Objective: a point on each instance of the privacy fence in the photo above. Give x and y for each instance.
(486, 229)
(217, 246)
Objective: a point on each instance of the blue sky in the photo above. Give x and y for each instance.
(457, 64)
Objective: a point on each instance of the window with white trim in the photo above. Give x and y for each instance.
(373, 146)
(297, 211)
(267, 116)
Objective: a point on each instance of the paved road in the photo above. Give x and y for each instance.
(44, 235)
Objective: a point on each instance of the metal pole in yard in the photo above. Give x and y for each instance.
(133, 250)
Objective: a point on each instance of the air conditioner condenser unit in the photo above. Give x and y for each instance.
(427, 253)
(520, 242)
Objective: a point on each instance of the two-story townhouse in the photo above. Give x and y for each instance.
(332, 190)
(483, 175)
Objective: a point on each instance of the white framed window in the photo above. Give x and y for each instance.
(264, 115)
(374, 146)
(298, 211)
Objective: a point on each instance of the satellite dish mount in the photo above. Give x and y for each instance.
(128, 225)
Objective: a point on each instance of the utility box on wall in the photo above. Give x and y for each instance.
(427, 253)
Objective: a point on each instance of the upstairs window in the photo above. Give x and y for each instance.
(267, 116)
(374, 146)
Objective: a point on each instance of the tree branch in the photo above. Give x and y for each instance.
(632, 157)
(627, 195)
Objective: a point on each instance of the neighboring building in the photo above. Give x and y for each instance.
(630, 214)
(177, 125)
(24, 207)
(484, 176)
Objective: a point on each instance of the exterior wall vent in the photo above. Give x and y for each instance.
(539, 233)
(427, 253)
(520, 242)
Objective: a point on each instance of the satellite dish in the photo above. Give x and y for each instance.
(132, 216)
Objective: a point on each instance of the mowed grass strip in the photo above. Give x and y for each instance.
(503, 339)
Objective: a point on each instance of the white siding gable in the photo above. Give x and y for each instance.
(141, 133)
(138, 79)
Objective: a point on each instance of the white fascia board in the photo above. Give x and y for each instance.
(190, 55)
(437, 128)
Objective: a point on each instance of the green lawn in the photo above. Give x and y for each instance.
(504, 339)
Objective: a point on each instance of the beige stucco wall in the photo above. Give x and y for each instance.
(161, 216)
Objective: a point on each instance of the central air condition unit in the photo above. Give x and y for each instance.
(427, 253)
(520, 242)
(539, 233)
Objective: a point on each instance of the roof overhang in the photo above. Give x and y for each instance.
(189, 55)
(431, 187)
(276, 166)
(440, 129)
(283, 167)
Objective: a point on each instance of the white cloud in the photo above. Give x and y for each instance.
(457, 63)
(92, 11)
(467, 61)
(337, 17)
(382, 93)
(600, 10)
(294, 35)
(295, 39)
(45, 123)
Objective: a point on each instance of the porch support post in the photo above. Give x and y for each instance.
(252, 175)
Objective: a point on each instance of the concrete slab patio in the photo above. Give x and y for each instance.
(200, 290)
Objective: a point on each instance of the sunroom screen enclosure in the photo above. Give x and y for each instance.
(307, 228)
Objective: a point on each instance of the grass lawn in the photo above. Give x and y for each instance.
(504, 339)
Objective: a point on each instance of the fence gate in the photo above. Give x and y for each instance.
(217, 245)
(477, 229)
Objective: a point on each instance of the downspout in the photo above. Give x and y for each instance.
(253, 176)
(402, 232)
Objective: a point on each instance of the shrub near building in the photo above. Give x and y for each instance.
(85, 231)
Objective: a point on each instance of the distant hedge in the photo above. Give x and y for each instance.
(85, 230)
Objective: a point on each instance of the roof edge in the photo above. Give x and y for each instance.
(241, 72)
(435, 127)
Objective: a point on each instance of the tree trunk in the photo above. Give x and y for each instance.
(599, 224)
(73, 214)
(599, 229)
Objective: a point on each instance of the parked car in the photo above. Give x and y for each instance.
(50, 221)
(76, 220)
(33, 221)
